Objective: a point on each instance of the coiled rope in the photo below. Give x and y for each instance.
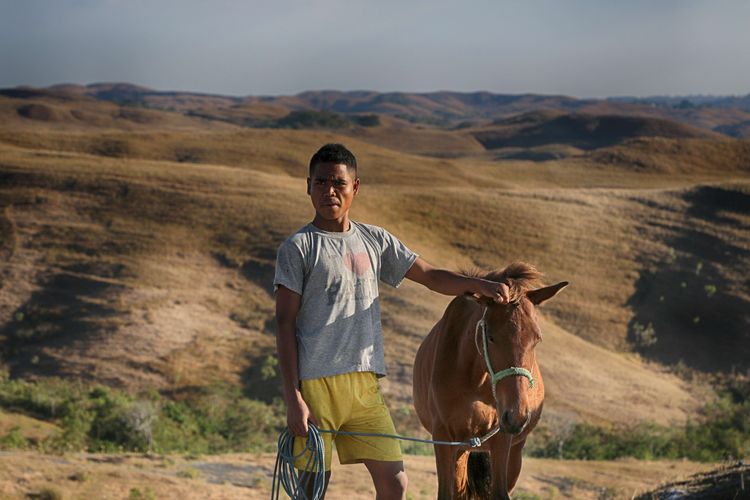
(286, 475)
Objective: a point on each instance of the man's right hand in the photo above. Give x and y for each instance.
(297, 416)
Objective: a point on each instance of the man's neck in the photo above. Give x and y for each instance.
(334, 226)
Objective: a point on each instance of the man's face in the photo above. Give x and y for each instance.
(332, 189)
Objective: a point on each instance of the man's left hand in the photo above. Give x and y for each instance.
(499, 292)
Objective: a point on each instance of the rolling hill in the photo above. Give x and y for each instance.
(138, 232)
(114, 237)
(582, 131)
(445, 109)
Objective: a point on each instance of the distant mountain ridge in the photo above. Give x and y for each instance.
(727, 115)
(739, 102)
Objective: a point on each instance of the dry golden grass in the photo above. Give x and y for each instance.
(155, 240)
(140, 246)
(193, 241)
(31, 428)
(84, 476)
(51, 114)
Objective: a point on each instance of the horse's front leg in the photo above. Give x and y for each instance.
(514, 464)
(445, 462)
(500, 452)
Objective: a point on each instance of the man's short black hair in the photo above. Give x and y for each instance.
(337, 154)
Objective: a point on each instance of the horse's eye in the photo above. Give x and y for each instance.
(491, 338)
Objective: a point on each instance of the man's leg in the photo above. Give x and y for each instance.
(307, 481)
(308, 484)
(389, 479)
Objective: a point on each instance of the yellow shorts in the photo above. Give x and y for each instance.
(350, 402)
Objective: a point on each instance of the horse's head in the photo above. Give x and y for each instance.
(506, 337)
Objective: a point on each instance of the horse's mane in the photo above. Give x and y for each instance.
(519, 276)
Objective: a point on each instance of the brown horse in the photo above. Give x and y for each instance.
(458, 394)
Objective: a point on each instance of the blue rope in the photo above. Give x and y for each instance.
(286, 475)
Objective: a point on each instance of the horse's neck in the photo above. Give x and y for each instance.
(471, 357)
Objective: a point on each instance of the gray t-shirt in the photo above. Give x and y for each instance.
(336, 273)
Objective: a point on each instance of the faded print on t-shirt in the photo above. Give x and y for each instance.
(338, 325)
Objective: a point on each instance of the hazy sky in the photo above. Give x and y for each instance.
(584, 48)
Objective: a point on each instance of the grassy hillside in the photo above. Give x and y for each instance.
(139, 252)
(138, 233)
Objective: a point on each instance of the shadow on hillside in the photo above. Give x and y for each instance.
(581, 130)
(693, 307)
(70, 308)
(261, 380)
(712, 203)
(7, 236)
(260, 270)
(530, 155)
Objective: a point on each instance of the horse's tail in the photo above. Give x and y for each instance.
(480, 476)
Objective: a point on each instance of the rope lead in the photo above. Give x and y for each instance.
(293, 481)
(286, 475)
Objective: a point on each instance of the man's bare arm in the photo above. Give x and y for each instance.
(287, 307)
(452, 283)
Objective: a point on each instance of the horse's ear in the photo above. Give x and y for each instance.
(544, 294)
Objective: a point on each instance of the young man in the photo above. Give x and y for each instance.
(330, 341)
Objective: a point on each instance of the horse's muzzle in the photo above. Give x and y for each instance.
(513, 423)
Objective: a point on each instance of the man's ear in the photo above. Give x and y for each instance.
(356, 185)
(544, 294)
(308, 185)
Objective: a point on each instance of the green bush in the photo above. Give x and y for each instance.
(371, 120)
(720, 431)
(136, 494)
(48, 493)
(43, 399)
(13, 439)
(220, 419)
(312, 119)
(213, 420)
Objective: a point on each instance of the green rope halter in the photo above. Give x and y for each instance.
(497, 376)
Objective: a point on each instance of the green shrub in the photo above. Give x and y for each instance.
(189, 473)
(312, 119)
(645, 336)
(215, 419)
(48, 493)
(80, 476)
(220, 419)
(44, 399)
(371, 120)
(14, 440)
(136, 494)
(721, 431)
